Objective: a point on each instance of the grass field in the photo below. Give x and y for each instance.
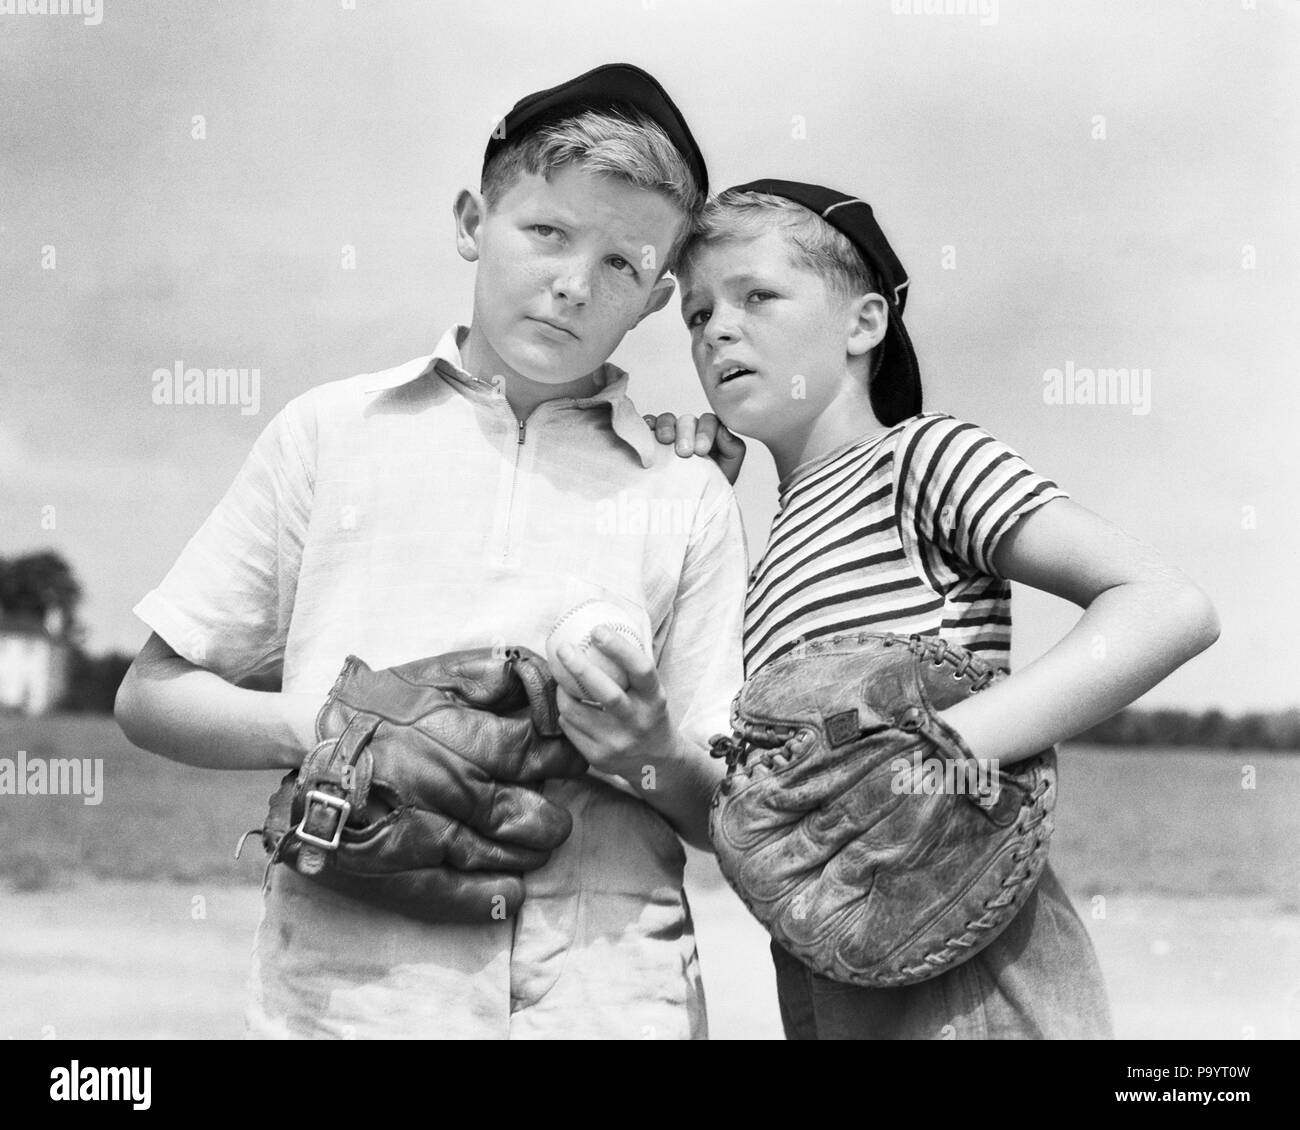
(1158, 821)
(1189, 883)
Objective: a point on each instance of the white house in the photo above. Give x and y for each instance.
(33, 666)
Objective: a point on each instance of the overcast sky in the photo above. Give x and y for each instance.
(1106, 184)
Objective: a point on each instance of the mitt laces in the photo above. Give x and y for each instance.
(736, 747)
(964, 666)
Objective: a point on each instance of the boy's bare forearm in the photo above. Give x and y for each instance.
(182, 712)
(679, 786)
(1130, 638)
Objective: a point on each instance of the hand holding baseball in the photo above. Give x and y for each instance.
(573, 635)
(612, 704)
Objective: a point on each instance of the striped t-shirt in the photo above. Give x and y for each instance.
(894, 532)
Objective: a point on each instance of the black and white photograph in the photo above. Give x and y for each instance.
(650, 521)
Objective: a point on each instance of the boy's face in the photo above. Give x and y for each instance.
(565, 268)
(749, 306)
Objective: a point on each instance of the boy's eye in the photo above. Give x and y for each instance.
(545, 230)
(619, 263)
(760, 295)
(697, 318)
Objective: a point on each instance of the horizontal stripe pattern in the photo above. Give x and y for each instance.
(895, 532)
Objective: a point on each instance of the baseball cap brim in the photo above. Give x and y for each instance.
(611, 85)
(896, 386)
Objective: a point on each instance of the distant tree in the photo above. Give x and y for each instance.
(1105, 732)
(93, 681)
(36, 583)
(1211, 728)
(1132, 728)
(1214, 728)
(1283, 729)
(1250, 731)
(1165, 728)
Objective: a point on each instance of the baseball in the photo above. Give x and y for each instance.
(575, 627)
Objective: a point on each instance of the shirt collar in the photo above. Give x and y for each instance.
(445, 361)
(805, 469)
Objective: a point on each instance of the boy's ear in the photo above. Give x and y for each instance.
(868, 321)
(469, 210)
(660, 293)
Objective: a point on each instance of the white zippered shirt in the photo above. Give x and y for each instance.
(408, 513)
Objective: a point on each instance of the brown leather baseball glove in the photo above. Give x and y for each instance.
(422, 794)
(857, 826)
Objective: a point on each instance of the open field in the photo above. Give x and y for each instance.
(101, 935)
(112, 960)
(1166, 821)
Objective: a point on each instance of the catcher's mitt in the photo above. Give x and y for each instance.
(849, 856)
(416, 797)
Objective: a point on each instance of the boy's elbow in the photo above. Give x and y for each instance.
(128, 708)
(123, 702)
(1210, 626)
(1198, 618)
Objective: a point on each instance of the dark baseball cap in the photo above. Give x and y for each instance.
(896, 385)
(611, 86)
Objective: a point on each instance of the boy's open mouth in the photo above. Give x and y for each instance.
(732, 372)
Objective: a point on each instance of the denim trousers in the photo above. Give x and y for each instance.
(1039, 980)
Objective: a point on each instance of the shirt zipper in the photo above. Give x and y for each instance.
(521, 431)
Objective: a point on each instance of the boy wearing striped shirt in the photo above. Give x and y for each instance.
(900, 521)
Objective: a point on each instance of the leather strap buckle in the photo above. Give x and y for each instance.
(343, 809)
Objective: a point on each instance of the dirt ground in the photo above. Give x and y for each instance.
(1188, 881)
(111, 960)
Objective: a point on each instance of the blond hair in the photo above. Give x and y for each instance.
(812, 241)
(624, 145)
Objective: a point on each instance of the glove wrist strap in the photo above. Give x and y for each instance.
(334, 782)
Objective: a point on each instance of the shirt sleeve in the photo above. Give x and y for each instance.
(958, 491)
(700, 663)
(226, 603)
